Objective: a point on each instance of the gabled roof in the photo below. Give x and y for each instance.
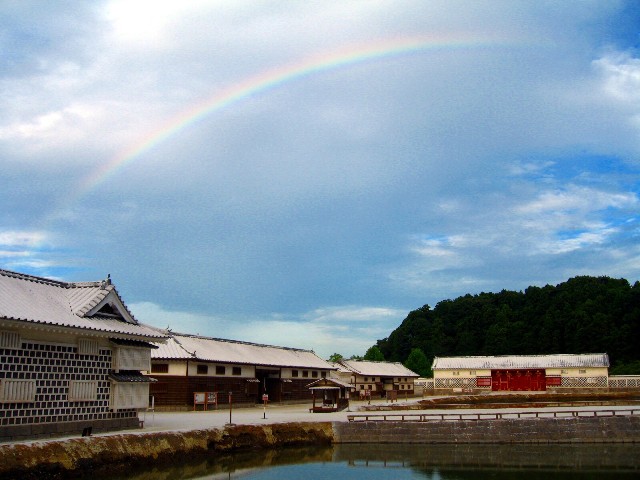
(340, 368)
(522, 361)
(93, 306)
(329, 383)
(378, 369)
(182, 346)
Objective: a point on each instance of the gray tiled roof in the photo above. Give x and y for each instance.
(325, 381)
(182, 346)
(522, 361)
(378, 369)
(31, 299)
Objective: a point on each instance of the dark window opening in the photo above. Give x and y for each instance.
(159, 368)
(108, 311)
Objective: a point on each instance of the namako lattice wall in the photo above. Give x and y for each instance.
(49, 371)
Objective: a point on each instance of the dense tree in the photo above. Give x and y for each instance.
(582, 315)
(417, 362)
(374, 354)
(335, 357)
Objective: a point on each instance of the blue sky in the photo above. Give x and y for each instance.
(318, 212)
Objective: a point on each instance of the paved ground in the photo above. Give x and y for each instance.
(170, 421)
(175, 421)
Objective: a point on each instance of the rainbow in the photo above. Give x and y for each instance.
(274, 78)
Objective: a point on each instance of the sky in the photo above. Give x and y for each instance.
(305, 173)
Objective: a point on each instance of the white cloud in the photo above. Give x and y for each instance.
(621, 77)
(574, 198)
(518, 232)
(325, 330)
(143, 21)
(348, 314)
(14, 238)
(56, 129)
(597, 236)
(12, 253)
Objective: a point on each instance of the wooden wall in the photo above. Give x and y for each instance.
(177, 391)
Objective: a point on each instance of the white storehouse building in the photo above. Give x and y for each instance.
(557, 373)
(377, 379)
(71, 357)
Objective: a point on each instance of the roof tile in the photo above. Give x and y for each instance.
(182, 346)
(522, 361)
(375, 369)
(50, 302)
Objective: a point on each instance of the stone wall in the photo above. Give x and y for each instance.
(17, 433)
(522, 430)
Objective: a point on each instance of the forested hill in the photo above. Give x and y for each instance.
(581, 315)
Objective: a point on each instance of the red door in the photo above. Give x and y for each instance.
(518, 380)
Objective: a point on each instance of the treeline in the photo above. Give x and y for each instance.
(582, 315)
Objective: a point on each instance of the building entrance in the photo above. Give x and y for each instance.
(268, 385)
(518, 380)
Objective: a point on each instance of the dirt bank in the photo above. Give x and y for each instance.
(74, 457)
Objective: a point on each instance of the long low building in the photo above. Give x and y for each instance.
(564, 372)
(379, 378)
(192, 369)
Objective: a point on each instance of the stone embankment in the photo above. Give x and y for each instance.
(75, 457)
(508, 430)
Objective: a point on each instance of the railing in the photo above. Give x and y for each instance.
(430, 417)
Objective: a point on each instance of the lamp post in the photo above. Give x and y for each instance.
(230, 408)
(265, 399)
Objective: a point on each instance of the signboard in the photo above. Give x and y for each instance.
(205, 399)
(199, 398)
(554, 381)
(483, 381)
(265, 398)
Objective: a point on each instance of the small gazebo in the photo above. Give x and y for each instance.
(333, 393)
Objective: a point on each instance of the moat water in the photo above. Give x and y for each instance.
(384, 461)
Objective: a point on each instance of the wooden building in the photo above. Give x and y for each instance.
(188, 364)
(71, 356)
(557, 373)
(331, 395)
(378, 378)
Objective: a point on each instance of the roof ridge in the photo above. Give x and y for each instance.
(85, 284)
(525, 355)
(241, 342)
(48, 281)
(33, 278)
(193, 354)
(372, 361)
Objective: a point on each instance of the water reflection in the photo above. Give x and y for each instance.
(446, 462)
